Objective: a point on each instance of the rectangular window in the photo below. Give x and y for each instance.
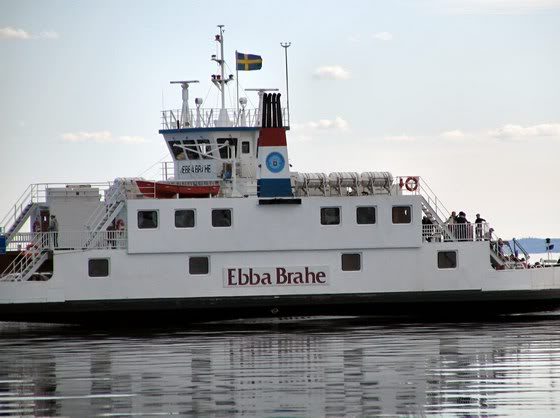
(98, 267)
(225, 145)
(351, 262)
(204, 148)
(365, 215)
(190, 146)
(198, 265)
(221, 217)
(245, 147)
(447, 259)
(184, 218)
(330, 216)
(147, 219)
(177, 150)
(402, 214)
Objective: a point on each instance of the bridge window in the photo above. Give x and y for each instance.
(199, 265)
(147, 219)
(184, 218)
(191, 149)
(177, 150)
(204, 148)
(402, 214)
(245, 147)
(351, 262)
(225, 151)
(330, 216)
(447, 259)
(221, 217)
(365, 215)
(98, 267)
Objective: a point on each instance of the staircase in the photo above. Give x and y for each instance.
(20, 213)
(105, 213)
(437, 213)
(27, 262)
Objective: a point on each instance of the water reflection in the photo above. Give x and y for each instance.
(334, 367)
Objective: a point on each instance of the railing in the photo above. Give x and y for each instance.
(210, 118)
(420, 187)
(33, 242)
(460, 232)
(503, 251)
(37, 193)
(30, 195)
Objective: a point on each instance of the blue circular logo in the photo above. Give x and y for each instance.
(275, 162)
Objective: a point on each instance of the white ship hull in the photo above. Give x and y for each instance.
(274, 268)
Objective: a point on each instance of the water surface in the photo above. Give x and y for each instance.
(285, 367)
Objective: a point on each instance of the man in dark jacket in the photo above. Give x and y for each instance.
(479, 221)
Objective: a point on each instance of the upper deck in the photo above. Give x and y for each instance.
(174, 119)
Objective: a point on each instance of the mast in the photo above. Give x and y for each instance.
(220, 81)
(286, 45)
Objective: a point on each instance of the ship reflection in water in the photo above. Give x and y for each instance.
(295, 367)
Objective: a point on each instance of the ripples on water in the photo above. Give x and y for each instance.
(286, 367)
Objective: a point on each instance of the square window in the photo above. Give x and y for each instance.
(447, 259)
(198, 265)
(402, 214)
(330, 216)
(351, 262)
(147, 219)
(98, 267)
(221, 217)
(184, 218)
(365, 215)
(245, 147)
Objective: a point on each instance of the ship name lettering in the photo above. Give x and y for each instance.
(236, 277)
(278, 276)
(296, 277)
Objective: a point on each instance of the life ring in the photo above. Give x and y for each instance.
(119, 225)
(411, 184)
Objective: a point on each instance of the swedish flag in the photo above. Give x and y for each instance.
(248, 62)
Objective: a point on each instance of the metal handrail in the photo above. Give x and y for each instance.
(206, 118)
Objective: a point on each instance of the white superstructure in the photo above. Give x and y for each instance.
(230, 231)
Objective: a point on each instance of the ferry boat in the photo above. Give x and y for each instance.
(234, 233)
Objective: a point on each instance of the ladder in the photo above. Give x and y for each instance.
(105, 213)
(27, 262)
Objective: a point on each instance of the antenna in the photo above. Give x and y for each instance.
(286, 45)
(185, 119)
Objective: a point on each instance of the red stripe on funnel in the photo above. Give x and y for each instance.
(272, 137)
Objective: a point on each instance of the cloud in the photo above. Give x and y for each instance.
(49, 34)
(20, 34)
(400, 138)
(334, 72)
(456, 134)
(498, 6)
(518, 131)
(383, 36)
(323, 124)
(101, 137)
(12, 33)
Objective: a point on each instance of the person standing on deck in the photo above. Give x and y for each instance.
(479, 221)
(53, 231)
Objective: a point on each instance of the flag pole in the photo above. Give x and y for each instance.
(286, 45)
(237, 82)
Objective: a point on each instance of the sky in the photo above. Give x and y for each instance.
(464, 93)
